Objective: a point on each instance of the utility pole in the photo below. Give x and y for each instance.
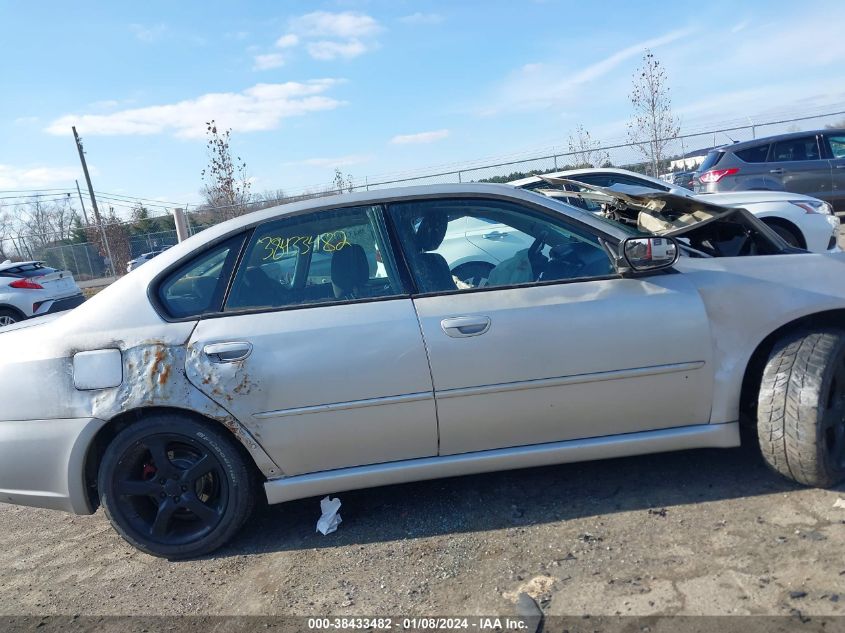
(82, 202)
(93, 199)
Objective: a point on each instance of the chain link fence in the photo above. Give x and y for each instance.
(685, 152)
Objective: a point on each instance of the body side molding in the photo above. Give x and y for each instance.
(333, 481)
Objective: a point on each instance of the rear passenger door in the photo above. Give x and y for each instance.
(836, 147)
(797, 163)
(317, 349)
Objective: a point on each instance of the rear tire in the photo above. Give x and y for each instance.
(801, 408)
(175, 487)
(9, 317)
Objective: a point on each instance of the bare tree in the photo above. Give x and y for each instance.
(342, 184)
(268, 198)
(116, 233)
(7, 245)
(44, 223)
(226, 185)
(653, 127)
(585, 151)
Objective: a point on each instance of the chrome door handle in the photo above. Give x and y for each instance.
(494, 235)
(458, 327)
(227, 352)
(776, 171)
(840, 166)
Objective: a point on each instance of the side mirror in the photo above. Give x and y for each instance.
(642, 254)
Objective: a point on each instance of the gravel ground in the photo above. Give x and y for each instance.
(702, 532)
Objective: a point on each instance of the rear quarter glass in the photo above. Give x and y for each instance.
(753, 154)
(711, 160)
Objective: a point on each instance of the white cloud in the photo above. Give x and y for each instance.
(347, 24)
(287, 41)
(148, 34)
(266, 62)
(328, 50)
(329, 36)
(261, 107)
(422, 18)
(541, 85)
(34, 177)
(26, 120)
(337, 161)
(419, 137)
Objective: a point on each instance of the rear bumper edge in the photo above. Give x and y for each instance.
(42, 463)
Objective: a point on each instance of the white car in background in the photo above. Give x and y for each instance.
(143, 259)
(29, 289)
(802, 221)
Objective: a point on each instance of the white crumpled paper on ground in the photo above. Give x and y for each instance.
(330, 519)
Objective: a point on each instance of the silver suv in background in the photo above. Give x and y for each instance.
(811, 163)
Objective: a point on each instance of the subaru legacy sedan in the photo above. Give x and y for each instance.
(219, 372)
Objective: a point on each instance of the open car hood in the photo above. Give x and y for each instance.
(704, 229)
(656, 212)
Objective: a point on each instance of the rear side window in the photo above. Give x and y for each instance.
(197, 287)
(837, 145)
(327, 256)
(804, 148)
(753, 154)
(711, 160)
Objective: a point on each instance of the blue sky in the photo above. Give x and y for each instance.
(375, 86)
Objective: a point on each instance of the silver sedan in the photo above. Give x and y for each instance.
(327, 345)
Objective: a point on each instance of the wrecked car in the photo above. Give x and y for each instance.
(802, 221)
(229, 368)
(707, 229)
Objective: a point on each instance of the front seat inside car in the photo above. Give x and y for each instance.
(350, 272)
(433, 271)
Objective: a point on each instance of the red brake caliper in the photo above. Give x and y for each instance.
(148, 472)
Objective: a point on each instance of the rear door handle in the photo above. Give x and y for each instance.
(494, 235)
(840, 167)
(776, 171)
(227, 352)
(459, 327)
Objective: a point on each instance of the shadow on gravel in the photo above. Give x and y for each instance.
(515, 499)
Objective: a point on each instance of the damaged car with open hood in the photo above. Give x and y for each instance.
(238, 364)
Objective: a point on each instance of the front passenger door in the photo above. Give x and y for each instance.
(554, 345)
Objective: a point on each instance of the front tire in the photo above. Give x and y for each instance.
(788, 235)
(175, 487)
(801, 408)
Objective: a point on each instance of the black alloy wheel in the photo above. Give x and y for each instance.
(175, 488)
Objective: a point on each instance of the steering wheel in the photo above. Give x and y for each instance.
(537, 245)
(536, 257)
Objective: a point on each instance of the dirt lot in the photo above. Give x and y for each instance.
(704, 532)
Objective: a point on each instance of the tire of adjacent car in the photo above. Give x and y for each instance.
(8, 317)
(789, 235)
(801, 408)
(186, 434)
